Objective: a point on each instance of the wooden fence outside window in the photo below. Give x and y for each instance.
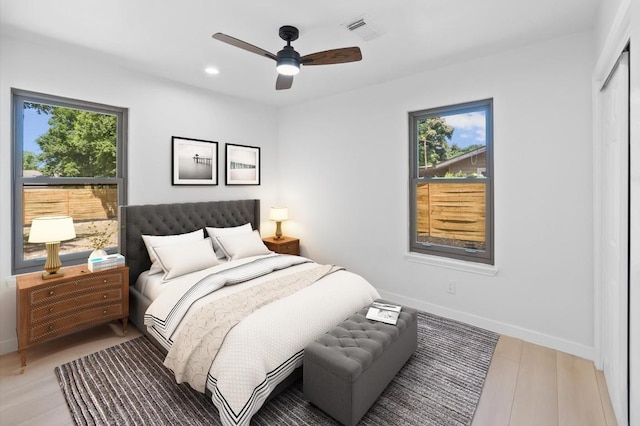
(79, 203)
(452, 211)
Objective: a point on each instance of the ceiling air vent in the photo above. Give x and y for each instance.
(364, 30)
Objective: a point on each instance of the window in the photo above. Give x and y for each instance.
(69, 159)
(451, 182)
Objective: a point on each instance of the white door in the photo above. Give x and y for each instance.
(614, 255)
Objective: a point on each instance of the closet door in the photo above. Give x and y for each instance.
(614, 229)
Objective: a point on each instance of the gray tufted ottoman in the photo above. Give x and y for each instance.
(346, 369)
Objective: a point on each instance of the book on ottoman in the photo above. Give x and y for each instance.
(384, 312)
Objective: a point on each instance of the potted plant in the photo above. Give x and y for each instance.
(99, 238)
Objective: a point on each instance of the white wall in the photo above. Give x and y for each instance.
(158, 109)
(634, 276)
(344, 173)
(605, 18)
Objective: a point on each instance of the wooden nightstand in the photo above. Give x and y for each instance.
(50, 308)
(285, 245)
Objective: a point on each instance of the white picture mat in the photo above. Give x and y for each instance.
(185, 150)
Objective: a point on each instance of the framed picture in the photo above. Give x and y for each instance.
(242, 165)
(194, 161)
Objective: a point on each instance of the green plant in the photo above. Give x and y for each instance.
(462, 174)
(99, 238)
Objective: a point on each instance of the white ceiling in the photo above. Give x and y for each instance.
(172, 38)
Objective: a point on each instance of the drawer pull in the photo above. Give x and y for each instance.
(50, 309)
(50, 327)
(104, 312)
(104, 281)
(104, 296)
(51, 293)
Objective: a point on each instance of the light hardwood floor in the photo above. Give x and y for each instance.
(532, 385)
(526, 384)
(34, 398)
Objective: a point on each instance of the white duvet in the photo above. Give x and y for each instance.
(266, 346)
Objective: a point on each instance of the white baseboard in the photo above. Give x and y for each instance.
(563, 345)
(536, 337)
(9, 345)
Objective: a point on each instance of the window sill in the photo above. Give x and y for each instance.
(458, 265)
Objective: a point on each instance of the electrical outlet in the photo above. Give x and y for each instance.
(452, 287)
(11, 281)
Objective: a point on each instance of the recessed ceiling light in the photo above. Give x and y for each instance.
(212, 70)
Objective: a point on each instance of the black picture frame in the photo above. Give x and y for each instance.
(242, 165)
(194, 161)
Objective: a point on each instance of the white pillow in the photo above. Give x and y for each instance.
(221, 232)
(242, 245)
(152, 241)
(184, 258)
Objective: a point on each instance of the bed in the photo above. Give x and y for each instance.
(236, 329)
(172, 219)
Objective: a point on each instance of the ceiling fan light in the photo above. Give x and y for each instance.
(288, 68)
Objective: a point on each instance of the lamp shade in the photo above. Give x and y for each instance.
(48, 229)
(278, 214)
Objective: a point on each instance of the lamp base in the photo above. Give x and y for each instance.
(52, 264)
(48, 275)
(278, 231)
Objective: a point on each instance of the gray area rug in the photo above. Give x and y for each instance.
(128, 385)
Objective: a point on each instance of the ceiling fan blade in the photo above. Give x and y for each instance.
(284, 82)
(334, 56)
(243, 45)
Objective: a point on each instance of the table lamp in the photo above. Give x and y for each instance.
(51, 230)
(278, 214)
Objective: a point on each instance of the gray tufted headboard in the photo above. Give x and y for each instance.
(170, 219)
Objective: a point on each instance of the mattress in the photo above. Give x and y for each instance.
(149, 285)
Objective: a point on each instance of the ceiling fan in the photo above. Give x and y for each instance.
(288, 60)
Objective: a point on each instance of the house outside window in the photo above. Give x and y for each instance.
(451, 181)
(69, 160)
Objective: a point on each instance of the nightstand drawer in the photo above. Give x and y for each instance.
(105, 295)
(48, 293)
(284, 245)
(288, 248)
(74, 320)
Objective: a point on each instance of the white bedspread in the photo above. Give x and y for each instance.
(266, 346)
